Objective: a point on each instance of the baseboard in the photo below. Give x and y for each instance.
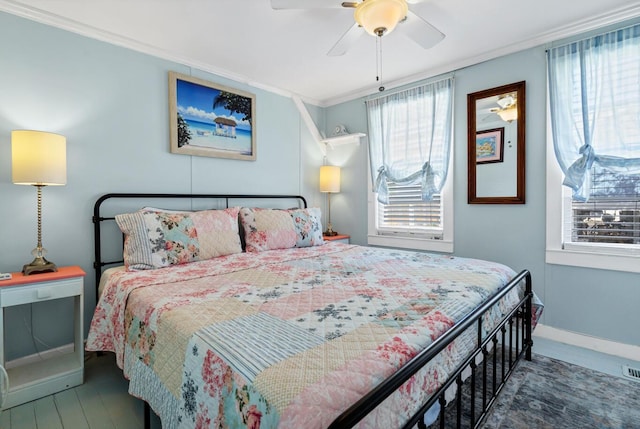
(626, 351)
(36, 357)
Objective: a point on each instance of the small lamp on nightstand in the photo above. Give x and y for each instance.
(38, 159)
(329, 183)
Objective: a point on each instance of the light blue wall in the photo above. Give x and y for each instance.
(112, 105)
(520, 228)
(349, 207)
(593, 302)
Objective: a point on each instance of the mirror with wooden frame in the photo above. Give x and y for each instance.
(496, 146)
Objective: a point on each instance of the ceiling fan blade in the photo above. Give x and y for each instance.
(346, 41)
(304, 4)
(420, 31)
(505, 102)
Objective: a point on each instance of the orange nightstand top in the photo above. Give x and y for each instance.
(335, 237)
(62, 273)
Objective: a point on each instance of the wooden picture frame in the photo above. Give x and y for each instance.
(490, 146)
(208, 119)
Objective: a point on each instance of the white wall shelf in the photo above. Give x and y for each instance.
(343, 139)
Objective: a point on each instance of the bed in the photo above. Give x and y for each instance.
(290, 331)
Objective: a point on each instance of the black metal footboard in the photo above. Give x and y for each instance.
(500, 350)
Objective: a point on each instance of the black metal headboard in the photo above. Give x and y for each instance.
(98, 218)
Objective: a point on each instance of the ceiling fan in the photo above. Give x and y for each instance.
(376, 17)
(507, 108)
(505, 101)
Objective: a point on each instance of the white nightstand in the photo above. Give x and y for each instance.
(61, 371)
(340, 238)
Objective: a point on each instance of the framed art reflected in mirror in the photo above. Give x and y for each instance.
(490, 146)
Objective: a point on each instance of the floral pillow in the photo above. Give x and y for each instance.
(308, 226)
(267, 229)
(156, 239)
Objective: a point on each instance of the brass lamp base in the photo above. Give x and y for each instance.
(39, 265)
(330, 232)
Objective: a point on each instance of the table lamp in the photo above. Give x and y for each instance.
(329, 183)
(38, 158)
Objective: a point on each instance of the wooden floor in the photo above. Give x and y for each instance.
(101, 402)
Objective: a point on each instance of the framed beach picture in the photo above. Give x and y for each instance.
(490, 146)
(208, 119)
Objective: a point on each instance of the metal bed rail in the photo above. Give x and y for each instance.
(520, 316)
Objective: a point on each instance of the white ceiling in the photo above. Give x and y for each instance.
(285, 50)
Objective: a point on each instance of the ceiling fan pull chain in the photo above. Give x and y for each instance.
(379, 62)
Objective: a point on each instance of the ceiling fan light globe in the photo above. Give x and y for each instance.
(379, 17)
(508, 115)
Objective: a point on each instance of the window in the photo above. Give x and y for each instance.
(594, 163)
(410, 140)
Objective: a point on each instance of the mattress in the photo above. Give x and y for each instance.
(293, 337)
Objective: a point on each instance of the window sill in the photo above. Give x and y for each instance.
(444, 246)
(591, 259)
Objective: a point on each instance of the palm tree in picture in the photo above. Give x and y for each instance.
(184, 134)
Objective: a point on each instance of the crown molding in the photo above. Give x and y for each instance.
(38, 15)
(47, 18)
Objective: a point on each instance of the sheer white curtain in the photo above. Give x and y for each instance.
(594, 87)
(410, 138)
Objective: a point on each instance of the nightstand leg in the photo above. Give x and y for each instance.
(78, 331)
(2, 336)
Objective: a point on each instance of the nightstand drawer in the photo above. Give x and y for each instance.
(44, 291)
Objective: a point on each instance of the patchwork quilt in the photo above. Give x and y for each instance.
(289, 338)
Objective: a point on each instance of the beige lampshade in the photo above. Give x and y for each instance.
(377, 16)
(329, 178)
(38, 158)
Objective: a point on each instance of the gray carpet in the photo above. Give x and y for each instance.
(550, 394)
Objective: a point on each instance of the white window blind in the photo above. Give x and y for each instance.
(406, 213)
